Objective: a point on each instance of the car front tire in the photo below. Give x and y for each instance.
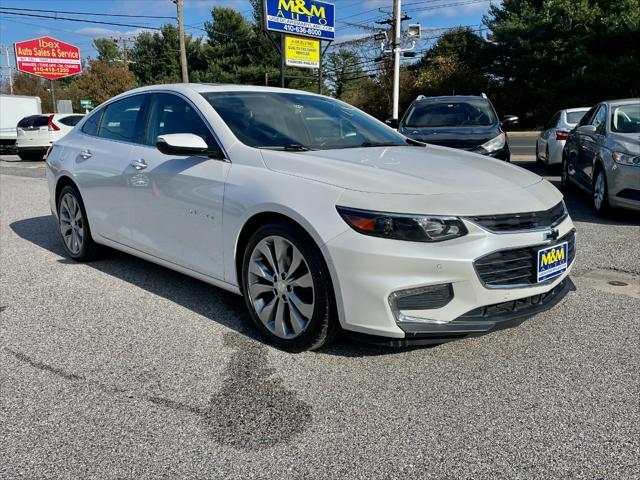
(600, 193)
(287, 288)
(73, 226)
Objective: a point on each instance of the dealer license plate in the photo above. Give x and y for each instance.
(552, 261)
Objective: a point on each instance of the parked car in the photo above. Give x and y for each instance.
(13, 108)
(554, 134)
(602, 155)
(320, 215)
(464, 122)
(36, 133)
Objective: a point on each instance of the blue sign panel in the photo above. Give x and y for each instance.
(305, 18)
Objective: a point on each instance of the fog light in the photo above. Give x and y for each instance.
(429, 297)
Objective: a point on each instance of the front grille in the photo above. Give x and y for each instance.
(517, 266)
(513, 307)
(522, 221)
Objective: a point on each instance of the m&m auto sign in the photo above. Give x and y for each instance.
(48, 58)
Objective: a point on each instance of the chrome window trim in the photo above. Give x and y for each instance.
(150, 92)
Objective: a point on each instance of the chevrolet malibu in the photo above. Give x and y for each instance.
(322, 217)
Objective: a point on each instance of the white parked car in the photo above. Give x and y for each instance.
(554, 135)
(36, 133)
(320, 215)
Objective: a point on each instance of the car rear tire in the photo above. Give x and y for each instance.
(287, 288)
(600, 193)
(73, 226)
(565, 179)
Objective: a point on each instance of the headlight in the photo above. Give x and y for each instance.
(398, 226)
(626, 159)
(495, 143)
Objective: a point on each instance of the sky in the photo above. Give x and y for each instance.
(431, 14)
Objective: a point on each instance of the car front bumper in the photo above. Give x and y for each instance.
(366, 271)
(624, 186)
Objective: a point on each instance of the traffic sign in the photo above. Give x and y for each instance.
(48, 58)
(306, 18)
(86, 103)
(302, 52)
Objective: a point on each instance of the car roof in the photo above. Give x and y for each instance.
(623, 101)
(451, 98)
(214, 87)
(577, 109)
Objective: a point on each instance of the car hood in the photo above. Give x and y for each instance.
(431, 179)
(406, 170)
(454, 137)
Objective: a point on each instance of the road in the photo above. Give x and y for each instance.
(522, 145)
(123, 369)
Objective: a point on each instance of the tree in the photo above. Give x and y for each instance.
(343, 68)
(107, 49)
(155, 56)
(103, 80)
(553, 54)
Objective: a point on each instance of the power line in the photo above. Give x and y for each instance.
(78, 20)
(84, 13)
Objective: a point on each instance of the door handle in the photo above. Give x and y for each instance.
(86, 154)
(139, 164)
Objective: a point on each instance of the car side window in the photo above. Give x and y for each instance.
(90, 127)
(553, 122)
(121, 119)
(599, 119)
(587, 117)
(172, 114)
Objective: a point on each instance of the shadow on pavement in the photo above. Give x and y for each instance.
(211, 302)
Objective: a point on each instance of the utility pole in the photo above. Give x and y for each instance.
(397, 27)
(10, 68)
(183, 50)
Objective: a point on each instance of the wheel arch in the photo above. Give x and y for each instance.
(62, 182)
(257, 220)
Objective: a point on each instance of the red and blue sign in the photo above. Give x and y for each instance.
(304, 18)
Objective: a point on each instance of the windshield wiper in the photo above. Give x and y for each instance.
(380, 144)
(292, 147)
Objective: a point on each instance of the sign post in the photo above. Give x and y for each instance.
(48, 58)
(293, 19)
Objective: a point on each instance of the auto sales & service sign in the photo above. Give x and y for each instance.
(48, 58)
(306, 18)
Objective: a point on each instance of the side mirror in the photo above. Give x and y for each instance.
(586, 129)
(392, 122)
(181, 144)
(509, 121)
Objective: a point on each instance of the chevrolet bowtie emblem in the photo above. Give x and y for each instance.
(552, 234)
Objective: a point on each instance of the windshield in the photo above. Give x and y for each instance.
(626, 118)
(575, 117)
(451, 114)
(298, 121)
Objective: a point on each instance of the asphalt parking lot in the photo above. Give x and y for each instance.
(123, 369)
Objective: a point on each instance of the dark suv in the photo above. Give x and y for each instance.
(464, 122)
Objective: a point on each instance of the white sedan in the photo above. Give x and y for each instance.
(554, 135)
(322, 217)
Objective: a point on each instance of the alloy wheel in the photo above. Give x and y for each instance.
(71, 223)
(280, 287)
(599, 191)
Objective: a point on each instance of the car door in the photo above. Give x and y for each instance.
(590, 144)
(177, 200)
(102, 158)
